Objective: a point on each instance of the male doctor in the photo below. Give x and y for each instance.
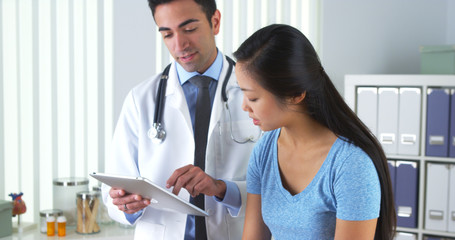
(188, 28)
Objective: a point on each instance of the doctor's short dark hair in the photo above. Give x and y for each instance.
(208, 7)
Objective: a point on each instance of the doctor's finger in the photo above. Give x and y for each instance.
(116, 192)
(129, 198)
(197, 184)
(176, 175)
(136, 206)
(182, 182)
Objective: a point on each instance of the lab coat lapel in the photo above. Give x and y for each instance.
(175, 97)
(218, 102)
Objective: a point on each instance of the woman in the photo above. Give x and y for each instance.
(318, 172)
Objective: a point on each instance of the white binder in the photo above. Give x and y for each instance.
(451, 217)
(409, 121)
(367, 107)
(388, 119)
(405, 236)
(436, 196)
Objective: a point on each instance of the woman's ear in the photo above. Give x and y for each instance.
(298, 99)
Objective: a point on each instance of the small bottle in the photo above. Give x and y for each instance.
(61, 226)
(43, 217)
(50, 225)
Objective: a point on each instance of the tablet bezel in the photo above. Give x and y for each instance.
(159, 197)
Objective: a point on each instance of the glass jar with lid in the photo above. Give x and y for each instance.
(48, 213)
(103, 215)
(88, 205)
(65, 190)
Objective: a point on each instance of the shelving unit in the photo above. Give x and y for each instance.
(352, 82)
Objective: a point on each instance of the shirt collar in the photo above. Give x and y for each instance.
(213, 71)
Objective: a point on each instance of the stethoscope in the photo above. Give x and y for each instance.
(157, 132)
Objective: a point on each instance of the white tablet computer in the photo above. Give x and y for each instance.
(159, 197)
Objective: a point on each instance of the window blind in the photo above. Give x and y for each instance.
(56, 83)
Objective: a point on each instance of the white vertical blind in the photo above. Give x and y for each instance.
(241, 18)
(56, 71)
(56, 107)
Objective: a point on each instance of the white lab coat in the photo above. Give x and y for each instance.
(134, 154)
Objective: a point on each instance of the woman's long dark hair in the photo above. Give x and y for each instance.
(285, 63)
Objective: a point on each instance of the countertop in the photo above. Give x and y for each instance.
(110, 231)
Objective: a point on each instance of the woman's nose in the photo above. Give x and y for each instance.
(245, 106)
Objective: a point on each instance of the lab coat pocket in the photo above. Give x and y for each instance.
(232, 160)
(145, 230)
(235, 226)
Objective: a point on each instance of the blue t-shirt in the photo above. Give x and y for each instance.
(346, 187)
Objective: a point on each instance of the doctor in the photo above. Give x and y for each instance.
(188, 28)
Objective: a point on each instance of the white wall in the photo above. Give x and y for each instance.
(357, 37)
(133, 27)
(381, 37)
(451, 22)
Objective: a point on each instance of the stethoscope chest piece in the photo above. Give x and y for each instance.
(156, 133)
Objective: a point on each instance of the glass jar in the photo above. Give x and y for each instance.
(65, 190)
(103, 215)
(47, 213)
(88, 204)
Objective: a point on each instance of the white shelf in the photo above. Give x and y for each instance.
(352, 82)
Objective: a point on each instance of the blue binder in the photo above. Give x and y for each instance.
(438, 101)
(406, 194)
(393, 174)
(393, 177)
(451, 140)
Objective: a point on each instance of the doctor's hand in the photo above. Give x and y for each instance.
(128, 203)
(195, 181)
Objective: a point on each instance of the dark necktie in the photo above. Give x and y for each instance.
(201, 128)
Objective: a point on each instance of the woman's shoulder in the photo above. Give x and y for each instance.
(347, 152)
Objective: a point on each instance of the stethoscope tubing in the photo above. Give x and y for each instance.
(160, 98)
(159, 134)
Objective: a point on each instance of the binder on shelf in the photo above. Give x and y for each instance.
(388, 119)
(437, 122)
(451, 140)
(432, 238)
(409, 121)
(367, 107)
(393, 174)
(437, 185)
(406, 193)
(451, 217)
(405, 236)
